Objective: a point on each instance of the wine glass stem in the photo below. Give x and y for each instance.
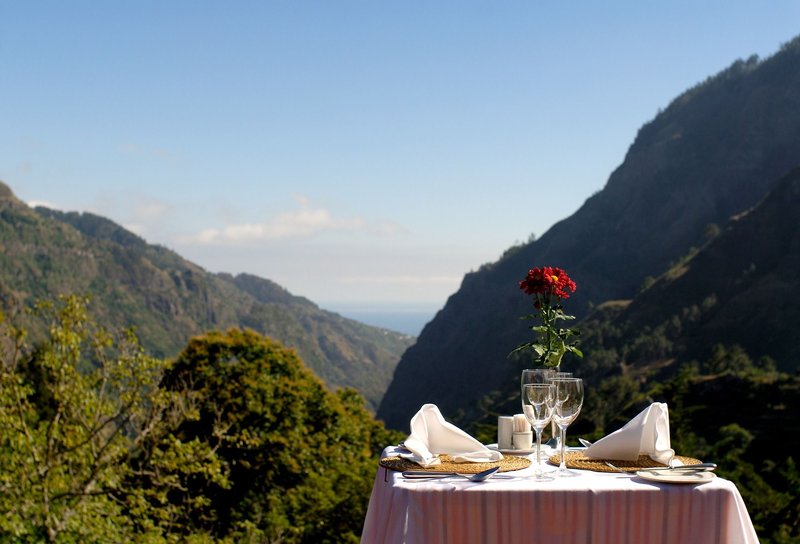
(538, 470)
(563, 435)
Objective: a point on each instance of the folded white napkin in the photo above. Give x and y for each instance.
(431, 435)
(646, 434)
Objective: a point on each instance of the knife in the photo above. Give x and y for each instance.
(699, 467)
(426, 474)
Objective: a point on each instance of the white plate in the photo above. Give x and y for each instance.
(512, 451)
(684, 477)
(546, 450)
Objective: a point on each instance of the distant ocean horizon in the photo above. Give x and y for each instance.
(403, 319)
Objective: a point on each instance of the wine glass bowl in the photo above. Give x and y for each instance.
(556, 439)
(536, 375)
(538, 401)
(568, 404)
(539, 374)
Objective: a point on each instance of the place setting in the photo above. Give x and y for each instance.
(641, 448)
(436, 449)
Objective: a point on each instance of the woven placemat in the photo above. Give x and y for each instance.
(506, 464)
(578, 459)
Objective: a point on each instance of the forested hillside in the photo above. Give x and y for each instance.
(169, 299)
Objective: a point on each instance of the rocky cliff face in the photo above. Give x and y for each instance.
(713, 153)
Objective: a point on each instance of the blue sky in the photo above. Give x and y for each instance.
(358, 153)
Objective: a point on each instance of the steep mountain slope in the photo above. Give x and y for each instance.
(167, 299)
(712, 153)
(715, 338)
(731, 305)
(749, 277)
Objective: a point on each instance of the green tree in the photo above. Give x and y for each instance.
(300, 460)
(74, 410)
(234, 441)
(732, 359)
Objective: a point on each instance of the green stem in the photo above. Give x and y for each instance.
(551, 339)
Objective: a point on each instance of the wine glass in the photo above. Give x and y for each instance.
(539, 374)
(556, 440)
(538, 401)
(569, 400)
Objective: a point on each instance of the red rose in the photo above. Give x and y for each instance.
(547, 280)
(549, 285)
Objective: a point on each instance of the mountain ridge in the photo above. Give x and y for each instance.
(713, 152)
(47, 252)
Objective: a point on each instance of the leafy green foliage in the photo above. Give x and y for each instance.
(740, 417)
(233, 441)
(72, 412)
(299, 459)
(725, 406)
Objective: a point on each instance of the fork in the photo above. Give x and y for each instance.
(430, 475)
(682, 469)
(619, 469)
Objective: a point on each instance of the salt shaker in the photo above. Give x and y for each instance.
(522, 437)
(505, 426)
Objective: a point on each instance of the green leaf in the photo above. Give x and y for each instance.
(575, 350)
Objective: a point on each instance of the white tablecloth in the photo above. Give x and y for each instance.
(595, 507)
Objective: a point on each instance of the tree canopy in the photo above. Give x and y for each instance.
(233, 441)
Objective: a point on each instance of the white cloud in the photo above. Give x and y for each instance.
(139, 213)
(136, 228)
(388, 228)
(44, 203)
(354, 269)
(305, 221)
(402, 280)
(148, 209)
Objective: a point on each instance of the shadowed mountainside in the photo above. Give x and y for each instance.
(748, 276)
(713, 153)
